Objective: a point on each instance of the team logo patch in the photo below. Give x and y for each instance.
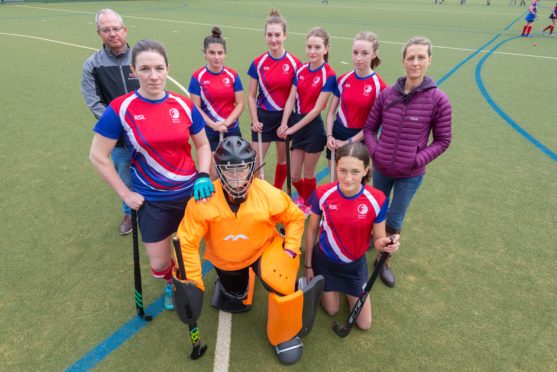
(226, 81)
(139, 117)
(174, 113)
(316, 80)
(236, 237)
(367, 90)
(286, 68)
(363, 209)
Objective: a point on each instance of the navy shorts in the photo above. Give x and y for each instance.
(311, 138)
(340, 132)
(271, 121)
(159, 219)
(214, 137)
(349, 278)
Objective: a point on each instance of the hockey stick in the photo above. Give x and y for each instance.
(138, 293)
(345, 329)
(288, 174)
(332, 171)
(260, 148)
(198, 350)
(221, 136)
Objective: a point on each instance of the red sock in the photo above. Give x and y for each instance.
(529, 30)
(166, 274)
(547, 28)
(309, 187)
(524, 29)
(299, 185)
(551, 28)
(280, 175)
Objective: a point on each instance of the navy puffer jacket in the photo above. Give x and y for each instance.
(406, 121)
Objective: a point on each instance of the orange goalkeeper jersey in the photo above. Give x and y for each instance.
(234, 241)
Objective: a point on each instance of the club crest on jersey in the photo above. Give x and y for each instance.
(226, 81)
(175, 115)
(367, 90)
(316, 81)
(285, 68)
(139, 117)
(363, 209)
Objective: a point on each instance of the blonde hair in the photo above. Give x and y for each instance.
(374, 40)
(417, 40)
(323, 34)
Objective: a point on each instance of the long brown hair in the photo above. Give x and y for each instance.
(324, 35)
(374, 40)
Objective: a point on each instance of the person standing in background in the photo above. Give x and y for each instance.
(106, 75)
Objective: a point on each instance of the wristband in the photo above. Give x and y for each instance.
(307, 267)
(329, 135)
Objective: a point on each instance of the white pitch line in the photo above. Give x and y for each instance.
(222, 347)
(180, 86)
(290, 32)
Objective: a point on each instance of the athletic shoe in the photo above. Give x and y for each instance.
(168, 302)
(551, 35)
(529, 35)
(126, 225)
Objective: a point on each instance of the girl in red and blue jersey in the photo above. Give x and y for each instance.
(156, 125)
(313, 84)
(271, 75)
(354, 94)
(217, 90)
(345, 215)
(530, 18)
(553, 17)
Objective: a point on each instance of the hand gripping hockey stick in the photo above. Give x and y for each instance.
(198, 350)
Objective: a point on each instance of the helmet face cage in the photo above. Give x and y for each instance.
(236, 178)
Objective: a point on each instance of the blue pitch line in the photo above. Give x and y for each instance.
(463, 62)
(502, 113)
(123, 334)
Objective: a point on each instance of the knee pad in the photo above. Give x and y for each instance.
(188, 299)
(293, 315)
(228, 302)
(277, 269)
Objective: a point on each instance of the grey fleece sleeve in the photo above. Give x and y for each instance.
(89, 91)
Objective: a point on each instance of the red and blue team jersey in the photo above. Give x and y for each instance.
(347, 222)
(274, 77)
(357, 95)
(157, 132)
(216, 92)
(309, 84)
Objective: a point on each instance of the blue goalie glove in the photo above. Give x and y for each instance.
(202, 187)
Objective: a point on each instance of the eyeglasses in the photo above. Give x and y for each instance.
(108, 30)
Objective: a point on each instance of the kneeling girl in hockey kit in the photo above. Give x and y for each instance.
(239, 227)
(345, 216)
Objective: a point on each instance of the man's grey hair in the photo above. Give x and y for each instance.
(107, 11)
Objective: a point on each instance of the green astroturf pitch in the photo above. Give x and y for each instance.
(476, 284)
